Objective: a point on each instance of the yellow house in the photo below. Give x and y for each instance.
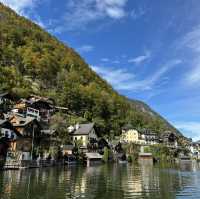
(84, 133)
(131, 135)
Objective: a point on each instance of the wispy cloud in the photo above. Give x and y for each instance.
(116, 62)
(141, 58)
(191, 45)
(104, 59)
(26, 8)
(137, 13)
(116, 77)
(79, 14)
(20, 6)
(37, 19)
(191, 129)
(122, 79)
(85, 48)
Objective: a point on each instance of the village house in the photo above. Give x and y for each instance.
(138, 136)
(67, 149)
(37, 107)
(195, 150)
(83, 134)
(149, 137)
(7, 129)
(29, 131)
(44, 105)
(6, 101)
(10, 133)
(131, 135)
(169, 138)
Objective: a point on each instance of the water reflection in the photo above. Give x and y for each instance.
(105, 181)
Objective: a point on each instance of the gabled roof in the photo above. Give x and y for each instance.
(3, 94)
(2, 122)
(146, 131)
(167, 134)
(23, 121)
(48, 131)
(9, 96)
(128, 127)
(68, 147)
(84, 129)
(7, 124)
(34, 98)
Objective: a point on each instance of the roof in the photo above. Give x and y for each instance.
(93, 156)
(146, 131)
(34, 98)
(84, 129)
(9, 125)
(2, 121)
(48, 131)
(167, 134)
(23, 121)
(8, 96)
(127, 127)
(68, 147)
(3, 94)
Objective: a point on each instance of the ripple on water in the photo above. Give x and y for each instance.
(106, 181)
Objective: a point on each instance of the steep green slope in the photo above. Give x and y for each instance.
(33, 61)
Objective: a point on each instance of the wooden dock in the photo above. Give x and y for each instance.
(27, 164)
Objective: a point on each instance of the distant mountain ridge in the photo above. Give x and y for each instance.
(33, 61)
(147, 109)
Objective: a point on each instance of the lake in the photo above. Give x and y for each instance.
(101, 182)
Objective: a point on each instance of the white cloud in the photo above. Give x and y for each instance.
(85, 48)
(39, 21)
(81, 13)
(104, 59)
(125, 80)
(26, 8)
(193, 77)
(116, 62)
(191, 129)
(192, 39)
(20, 6)
(190, 43)
(116, 77)
(137, 13)
(141, 58)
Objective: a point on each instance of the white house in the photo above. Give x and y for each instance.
(84, 133)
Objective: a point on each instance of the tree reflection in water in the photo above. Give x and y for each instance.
(105, 181)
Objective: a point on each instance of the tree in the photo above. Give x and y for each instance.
(58, 123)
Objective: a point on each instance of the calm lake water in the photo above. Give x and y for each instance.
(101, 182)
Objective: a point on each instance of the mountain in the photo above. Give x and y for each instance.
(34, 62)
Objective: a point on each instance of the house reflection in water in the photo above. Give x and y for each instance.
(104, 181)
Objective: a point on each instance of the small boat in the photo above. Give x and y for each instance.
(185, 159)
(122, 161)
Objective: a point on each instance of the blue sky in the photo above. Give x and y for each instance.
(147, 50)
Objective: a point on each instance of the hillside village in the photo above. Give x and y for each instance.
(54, 107)
(27, 134)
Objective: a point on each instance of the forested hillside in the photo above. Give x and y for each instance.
(33, 61)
